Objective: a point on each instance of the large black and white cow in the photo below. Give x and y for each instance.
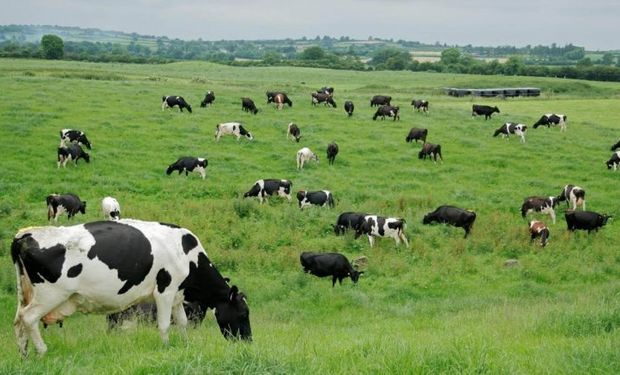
(552, 119)
(575, 195)
(320, 198)
(332, 151)
(270, 186)
(208, 100)
(379, 100)
(483, 110)
(57, 204)
(539, 229)
(107, 266)
(293, 131)
(329, 264)
(75, 136)
(72, 152)
(171, 101)
(511, 128)
(387, 110)
(189, 164)
(348, 220)
(349, 107)
(543, 205)
(431, 150)
(455, 216)
(615, 146)
(379, 226)
(614, 161)
(305, 155)
(326, 90)
(248, 105)
(416, 134)
(321, 97)
(111, 208)
(420, 105)
(232, 128)
(585, 220)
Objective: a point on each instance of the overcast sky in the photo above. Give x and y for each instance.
(594, 24)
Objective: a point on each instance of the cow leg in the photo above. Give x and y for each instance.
(202, 172)
(180, 318)
(552, 214)
(164, 310)
(371, 239)
(334, 280)
(404, 238)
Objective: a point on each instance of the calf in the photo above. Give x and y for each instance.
(431, 150)
(349, 107)
(232, 128)
(72, 152)
(76, 136)
(552, 119)
(379, 226)
(292, 130)
(511, 128)
(543, 205)
(270, 186)
(248, 105)
(575, 195)
(332, 151)
(189, 164)
(420, 105)
(111, 209)
(348, 220)
(616, 146)
(487, 111)
(614, 161)
(321, 97)
(387, 110)
(171, 101)
(304, 155)
(329, 264)
(320, 198)
(379, 100)
(585, 220)
(57, 204)
(539, 229)
(208, 100)
(452, 215)
(416, 134)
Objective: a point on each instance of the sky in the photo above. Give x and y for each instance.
(594, 24)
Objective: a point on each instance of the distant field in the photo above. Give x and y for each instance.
(444, 305)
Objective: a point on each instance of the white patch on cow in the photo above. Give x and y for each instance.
(282, 193)
(261, 191)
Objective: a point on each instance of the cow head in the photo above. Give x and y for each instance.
(355, 276)
(603, 219)
(495, 109)
(301, 194)
(170, 169)
(427, 219)
(83, 208)
(421, 153)
(554, 201)
(233, 316)
(85, 156)
(83, 140)
(189, 108)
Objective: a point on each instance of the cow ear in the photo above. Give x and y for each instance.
(233, 293)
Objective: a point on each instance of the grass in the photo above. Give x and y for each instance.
(445, 305)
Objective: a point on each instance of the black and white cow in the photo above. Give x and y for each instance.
(280, 99)
(349, 107)
(74, 136)
(379, 226)
(552, 119)
(320, 198)
(329, 264)
(248, 105)
(57, 204)
(270, 186)
(486, 110)
(387, 110)
(585, 220)
(232, 128)
(293, 131)
(189, 164)
(332, 151)
(171, 101)
(321, 97)
(326, 90)
(543, 205)
(379, 100)
(208, 100)
(431, 150)
(575, 195)
(107, 266)
(348, 220)
(539, 229)
(416, 134)
(305, 155)
(455, 216)
(615, 146)
(511, 128)
(614, 161)
(111, 208)
(420, 105)
(72, 152)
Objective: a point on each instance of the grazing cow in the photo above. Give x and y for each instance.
(614, 161)
(107, 266)
(271, 95)
(305, 155)
(329, 264)
(349, 107)
(72, 152)
(416, 134)
(111, 209)
(420, 105)
(487, 111)
(585, 220)
(171, 101)
(575, 195)
(318, 198)
(76, 136)
(326, 90)
(539, 229)
(248, 105)
(280, 99)
(321, 97)
(379, 226)
(189, 164)
(293, 131)
(511, 128)
(552, 119)
(543, 205)
(57, 204)
(431, 150)
(332, 151)
(379, 100)
(348, 220)
(270, 186)
(232, 128)
(387, 110)
(616, 146)
(455, 216)
(208, 100)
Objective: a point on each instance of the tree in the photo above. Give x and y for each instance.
(450, 56)
(391, 58)
(607, 59)
(312, 53)
(52, 47)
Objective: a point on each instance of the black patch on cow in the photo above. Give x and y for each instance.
(75, 270)
(123, 248)
(204, 284)
(163, 280)
(170, 225)
(381, 225)
(41, 264)
(189, 242)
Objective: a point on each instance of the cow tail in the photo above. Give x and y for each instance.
(23, 283)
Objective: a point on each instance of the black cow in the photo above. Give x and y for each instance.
(73, 135)
(544, 205)
(270, 186)
(57, 204)
(455, 216)
(189, 164)
(613, 148)
(171, 101)
(332, 151)
(348, 220)
(511, 128)
(293, 131)
(387, 110)
(72, 152)
(552, 119)
(248, 105)
(539, 229)
(585, 220)
(318, 198)
(416, 134)
(329, 264)
(420, 105)
(431, 150)
(349, 107)
(321, 97)
(614, 161)
(208, 100)
(575, 195)
(378, 100)
(486, 110)
(326, 90)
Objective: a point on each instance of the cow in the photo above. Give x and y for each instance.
(455, 216)
(387, 110)
(271, 95)
(416, 134)
(292, 130)
(326, 90)
(420, 105)
(575, 195)
(552, 119)
(539, 229)
(614, 161)
(189, 164)
(171, 101)
(431, 150)
(57, 204)
(511, 128)
(615, 146)
(585, 220)
(332, 151)
(72, 135)
(72, 152)
(208, 100)
(348, 220)
(349, 107)
(270, 186)
(321, 97)
(280, 99)
(304, 155)
(320, 198)
(379, 226)
(111, 209)
(543, 205)
(329, 264)
(379, 100)
(107, 266)
(248, 105)
(486, 110)
(231, 128)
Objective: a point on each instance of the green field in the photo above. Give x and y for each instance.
(444, 305)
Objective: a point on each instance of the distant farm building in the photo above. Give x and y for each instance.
(487, 93)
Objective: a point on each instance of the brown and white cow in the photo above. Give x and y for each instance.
(539, 229)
